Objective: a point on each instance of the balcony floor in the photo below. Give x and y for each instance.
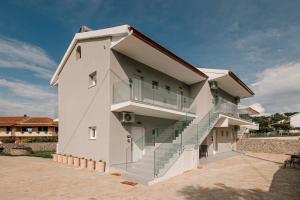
(149, 110)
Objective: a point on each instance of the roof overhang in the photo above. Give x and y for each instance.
(248, 110)
(134, 44)
(229, 82)
(226, 120)
(150, 110)
(141, 48)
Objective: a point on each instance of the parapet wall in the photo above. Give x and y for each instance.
(278, 146)
(42, 146)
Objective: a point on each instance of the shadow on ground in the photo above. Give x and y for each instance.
(285, 186)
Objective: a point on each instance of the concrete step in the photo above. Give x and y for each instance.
(141, 172)
(145, 180)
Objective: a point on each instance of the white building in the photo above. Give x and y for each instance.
(295, 121)
(125, 99)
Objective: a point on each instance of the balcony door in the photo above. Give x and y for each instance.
(137, 88)
(180, 100)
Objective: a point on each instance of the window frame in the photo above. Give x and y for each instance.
(155, 85)
(40, 129)
(93, 79)
(26, 130)
(78, 53)
(8, 130)
(92, 135)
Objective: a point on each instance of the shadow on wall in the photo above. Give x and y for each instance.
(285, 185)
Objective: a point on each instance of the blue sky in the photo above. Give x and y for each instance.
(257, 39)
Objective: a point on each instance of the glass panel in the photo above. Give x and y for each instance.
(138, 90)
(227, 107)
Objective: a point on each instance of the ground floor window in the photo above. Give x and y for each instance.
(8, 130)
(43, 129)
(27, 129)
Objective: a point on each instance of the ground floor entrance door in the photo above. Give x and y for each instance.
(137, 142)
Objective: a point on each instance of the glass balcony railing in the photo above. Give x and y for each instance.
(140, 91)
(227, 107)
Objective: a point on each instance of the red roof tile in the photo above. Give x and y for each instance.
(27, 121)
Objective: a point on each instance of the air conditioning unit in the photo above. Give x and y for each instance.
(127, 117)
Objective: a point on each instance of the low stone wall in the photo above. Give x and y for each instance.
(278, 146)
(42, 146)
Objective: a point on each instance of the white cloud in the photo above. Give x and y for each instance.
(278, 88)
(20, 55)
(19, 98)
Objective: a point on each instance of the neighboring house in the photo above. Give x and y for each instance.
(277, 125)
(295, 121)
(127, 100)
(244, 113)
(23, 128)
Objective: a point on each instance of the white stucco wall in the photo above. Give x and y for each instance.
(295, 121)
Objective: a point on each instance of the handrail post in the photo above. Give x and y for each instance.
(209, 119)
(154, 163)
(197, 135)
(126, 158)
(181, 143)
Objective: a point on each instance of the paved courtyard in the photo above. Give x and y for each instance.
(239, 177)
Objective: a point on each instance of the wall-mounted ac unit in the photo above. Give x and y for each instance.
(127, 117)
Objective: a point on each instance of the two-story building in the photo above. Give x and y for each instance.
(127, 100)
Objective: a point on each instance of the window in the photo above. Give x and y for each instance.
(93, 79)
(154, 85)
(168, 88)
(43, 129)
(8, 130)
(26, 129)
(227, 134)
(155, 132)
(92, 132)
(78, 53)
(222, 133)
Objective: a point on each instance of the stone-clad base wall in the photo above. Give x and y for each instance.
(279, 146)
(42, 146)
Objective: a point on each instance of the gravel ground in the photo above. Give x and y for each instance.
(257, 176)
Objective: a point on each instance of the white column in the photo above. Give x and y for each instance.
(215, 148)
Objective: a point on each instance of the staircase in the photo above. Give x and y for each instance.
(157, 160)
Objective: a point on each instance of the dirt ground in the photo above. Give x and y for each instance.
(252, 176)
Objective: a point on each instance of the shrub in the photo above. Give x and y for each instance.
(42, 139)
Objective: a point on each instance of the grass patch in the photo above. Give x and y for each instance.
(40, 154)
(4, 154)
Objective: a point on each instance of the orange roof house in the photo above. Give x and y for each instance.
(26, 127)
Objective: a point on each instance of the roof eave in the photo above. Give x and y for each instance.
(164, 50)
(81, 36)
(238, 80)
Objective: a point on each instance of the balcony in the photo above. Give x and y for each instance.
(227, 107)
(229, 115)
(148, 99)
